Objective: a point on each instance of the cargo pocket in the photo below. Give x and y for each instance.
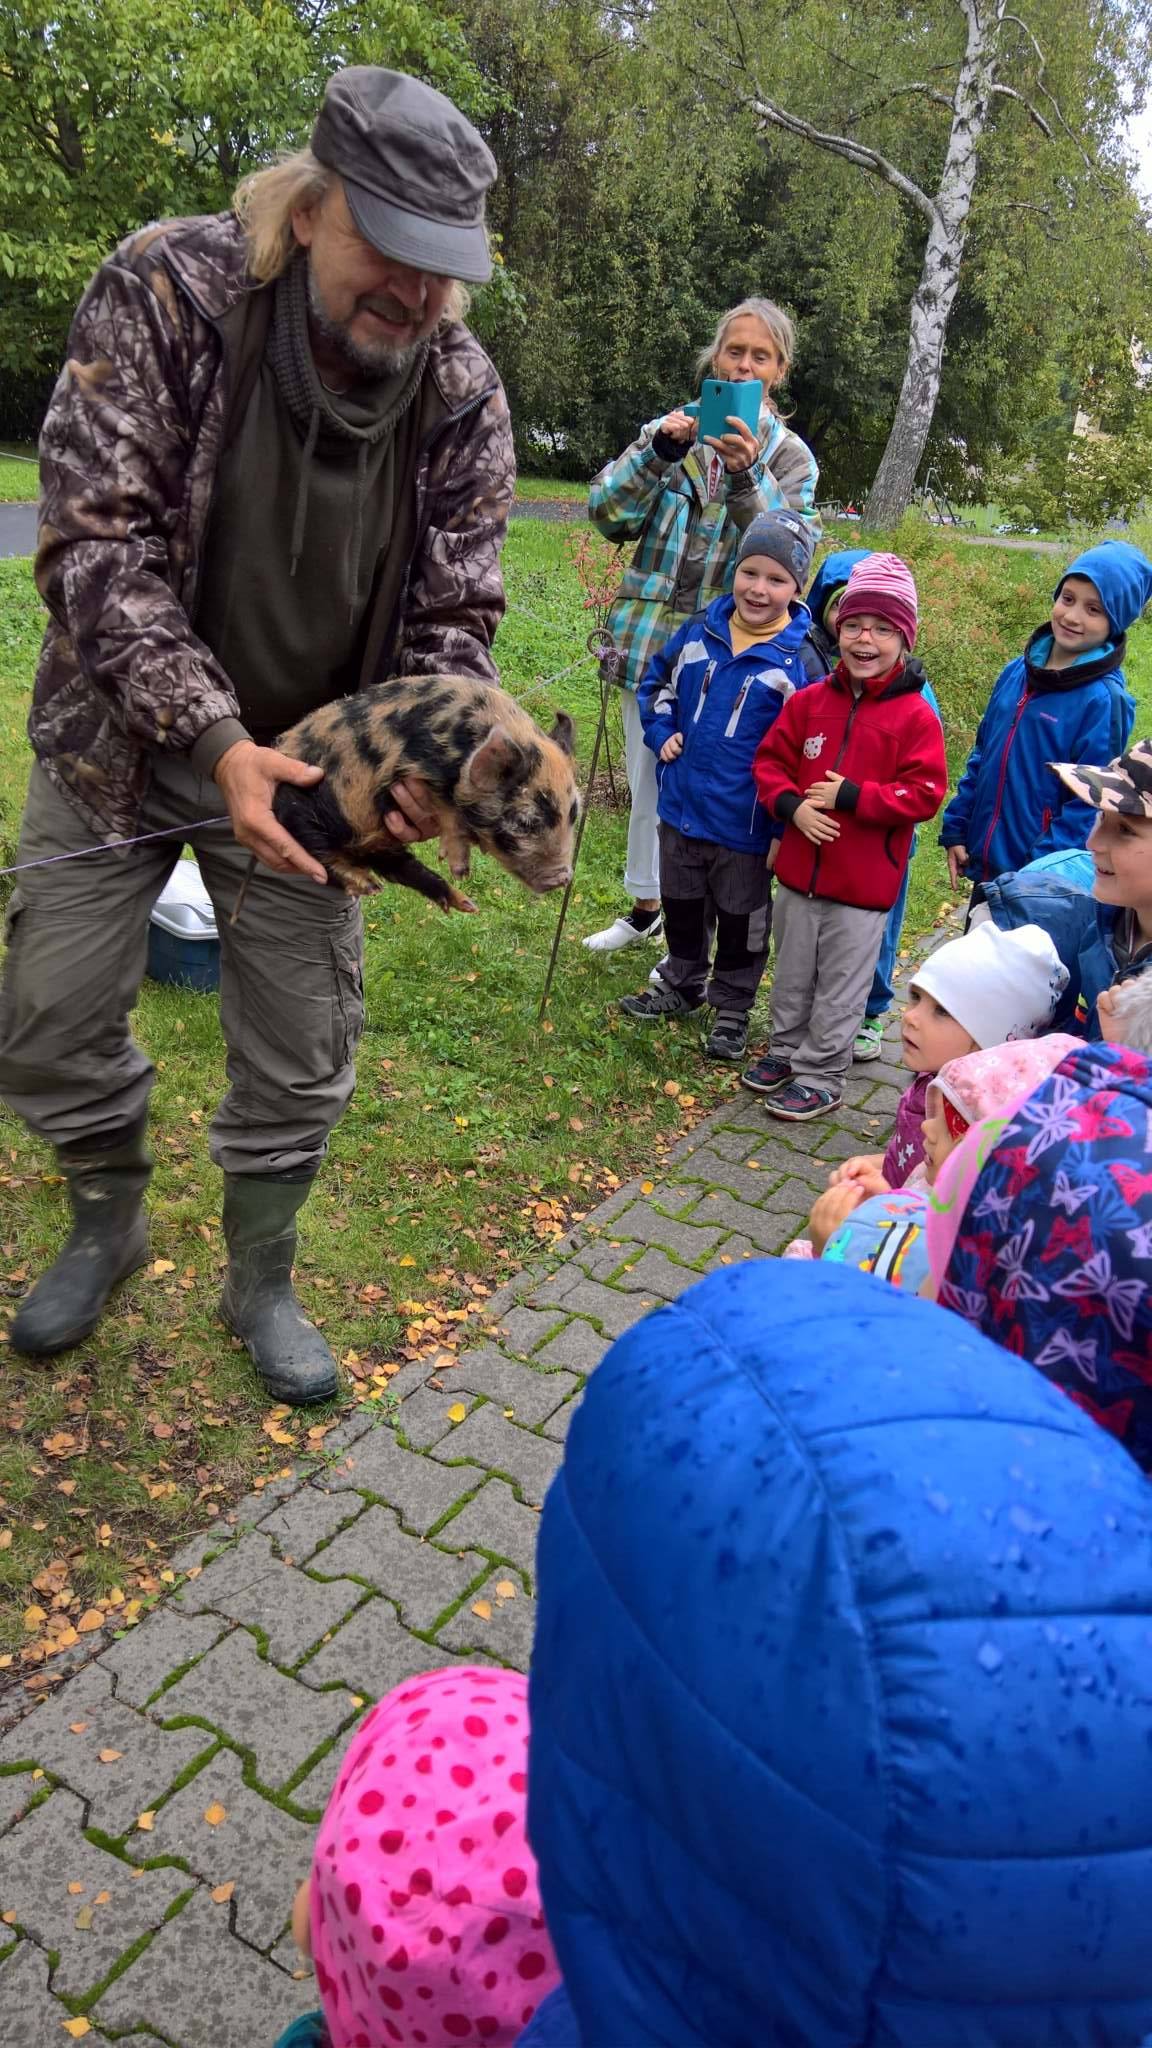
(348, 996)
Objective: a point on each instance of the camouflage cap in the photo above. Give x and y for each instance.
(1125, 785)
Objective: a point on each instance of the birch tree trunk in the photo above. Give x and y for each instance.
(940, 273)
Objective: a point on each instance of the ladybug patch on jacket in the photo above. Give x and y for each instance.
(814, 746)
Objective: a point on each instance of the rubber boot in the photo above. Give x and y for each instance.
(258, 1301)
(109, 1240)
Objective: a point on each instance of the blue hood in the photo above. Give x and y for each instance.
(831, 576)
(841, 1692)
(1122, 575)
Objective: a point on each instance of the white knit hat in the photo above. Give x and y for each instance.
(997, 985)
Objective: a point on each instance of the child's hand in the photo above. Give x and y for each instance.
(815, 825)
(770, 856)
(738, 448)
(957, 862)
(823, 792)
(829, 1211)
(1111, 1028)
(861, 1166)
(672, 747)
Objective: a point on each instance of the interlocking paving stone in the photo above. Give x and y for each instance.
(422, 1580)
(736, 1250)
(843, 1145)
(604, 1256)
(15, 1792)
(750, 1185)
(532, 1395)
(46, 1853)
(761, 1226)
(261, 1850)
(615, 1312)
(371, 1654)
(522, 1329)
(507, 1635)
(495, 1520)
(150, 1758)
(256, 1707)
(421, 1490)
(645, 1225)
(250, 1585)
(577, 1345)
(141, 1660)
(300, 1525)
(312, 1794)
(776, 1159)
(30, 2016)
(502, 1447)
(423, 1418)
(558, 1425)
(655, 1275)
(198, 1985)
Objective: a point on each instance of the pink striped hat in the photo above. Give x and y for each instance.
(883, 584)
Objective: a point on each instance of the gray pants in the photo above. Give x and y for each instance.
(706, 889)
(826, 955)
(291, 988)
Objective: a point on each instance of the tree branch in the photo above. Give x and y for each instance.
(852, 152)
(925, 90)
(1053, 102)
(1009, 92)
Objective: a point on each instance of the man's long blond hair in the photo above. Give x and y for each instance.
(264, 203)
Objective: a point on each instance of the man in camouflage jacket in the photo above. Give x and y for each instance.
(265, 482)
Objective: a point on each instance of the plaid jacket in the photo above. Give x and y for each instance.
(687, 544)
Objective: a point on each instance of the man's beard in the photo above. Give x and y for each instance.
(367, 359)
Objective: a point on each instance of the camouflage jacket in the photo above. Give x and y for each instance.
(162, 341)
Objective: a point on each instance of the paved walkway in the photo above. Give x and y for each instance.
(157, 1810)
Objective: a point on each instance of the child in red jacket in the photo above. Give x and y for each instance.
(851, 766)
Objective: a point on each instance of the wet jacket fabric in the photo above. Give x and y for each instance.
(1008, 805)
(167, 335)
(890, 748)
(1084, 933)
(840, 1693)
(723, 704)
(687, 542)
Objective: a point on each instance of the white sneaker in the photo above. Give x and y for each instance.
(622, 933)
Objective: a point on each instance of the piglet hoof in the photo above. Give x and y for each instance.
(458, 902)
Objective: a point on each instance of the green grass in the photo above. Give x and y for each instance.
(474, 1135)
(19, 480)
(568, 490)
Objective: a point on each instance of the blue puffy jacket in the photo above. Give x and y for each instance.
(723, 704)
(821, 651)
(842, 1689)
(1082, 931)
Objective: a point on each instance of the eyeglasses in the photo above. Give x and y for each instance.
(852, 629)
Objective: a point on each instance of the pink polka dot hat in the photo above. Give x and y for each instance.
(426, 1920)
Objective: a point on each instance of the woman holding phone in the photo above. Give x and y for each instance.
(686, 503)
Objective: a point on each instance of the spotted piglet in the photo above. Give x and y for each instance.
(495, 781)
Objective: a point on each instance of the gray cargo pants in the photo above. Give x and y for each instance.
(291, 988)
(826, 955)
(706, 889)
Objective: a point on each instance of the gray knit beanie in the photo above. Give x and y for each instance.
(785, 537)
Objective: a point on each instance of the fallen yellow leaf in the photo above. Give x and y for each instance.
(483, 1608)
(407, 1260)
(505, 1590)
(90, 1619)
(34, 1618)
(8, 1918)
(671, 1087)
(77, 2028)
(77, 1727)
(223, 1893)
(75, 1888)
(457, 1412)
(111, 1756)
(83, 1920)
(102, 1899)
(159, 1266)
(215, 1813)
(146, 1821)
(646, 1187)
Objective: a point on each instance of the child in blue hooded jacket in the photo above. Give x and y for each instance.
(706, 700)
(1063, 699)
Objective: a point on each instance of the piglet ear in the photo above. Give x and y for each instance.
(496, 761)
(564, 733)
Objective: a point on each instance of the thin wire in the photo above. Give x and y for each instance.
(111, 845)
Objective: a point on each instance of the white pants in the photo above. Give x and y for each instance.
(642, 871)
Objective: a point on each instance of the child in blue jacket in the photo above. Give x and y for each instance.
(1063, 699)
(706, 701)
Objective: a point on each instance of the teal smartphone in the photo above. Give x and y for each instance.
(720, 399)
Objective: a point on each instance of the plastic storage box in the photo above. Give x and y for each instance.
(183, 944)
